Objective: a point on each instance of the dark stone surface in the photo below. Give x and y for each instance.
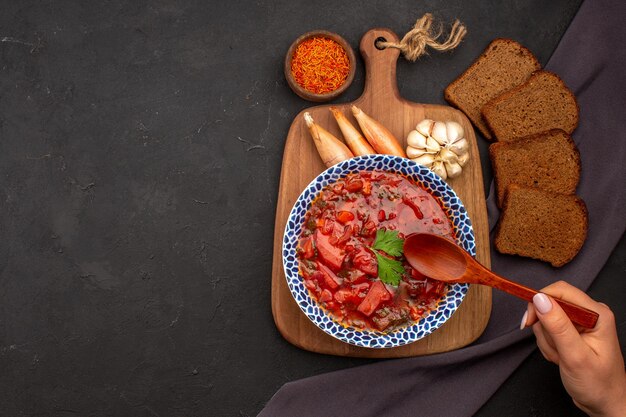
(140, 150)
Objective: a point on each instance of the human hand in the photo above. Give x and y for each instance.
(590, 360)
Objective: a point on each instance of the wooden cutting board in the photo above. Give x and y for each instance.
(301, 164)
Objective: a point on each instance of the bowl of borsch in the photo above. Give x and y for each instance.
(342, 250)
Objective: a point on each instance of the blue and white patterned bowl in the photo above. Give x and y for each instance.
(438, 188)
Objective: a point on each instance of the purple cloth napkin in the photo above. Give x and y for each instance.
(591, 60)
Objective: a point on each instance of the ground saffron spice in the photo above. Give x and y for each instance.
(320, 65)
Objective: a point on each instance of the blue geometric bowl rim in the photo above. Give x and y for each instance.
(451, 204)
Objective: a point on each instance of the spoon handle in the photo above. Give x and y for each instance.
(579, 315)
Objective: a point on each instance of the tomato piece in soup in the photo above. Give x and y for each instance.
(365, 261)
(376, 295)
(353, 295)
(331, 255)
(307, 247)
(331, 280)
(344, 217)
(326, 296)
(354, 185)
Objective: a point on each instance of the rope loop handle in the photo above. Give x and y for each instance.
(414, 43)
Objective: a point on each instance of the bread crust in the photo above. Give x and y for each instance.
(449, 92)
(489, 110)
(500, 172)
(502, 246)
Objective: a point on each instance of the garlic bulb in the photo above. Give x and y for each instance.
(440, 146)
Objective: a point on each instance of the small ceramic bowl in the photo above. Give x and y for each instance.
(422, 176)
(306, 94)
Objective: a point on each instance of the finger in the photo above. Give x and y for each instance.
(546, 335)
(559, 289)
(606, 320)
(544, 345)
(522, 324)
(605, 331)
(529, 318)
(564, 336)
(568, 292)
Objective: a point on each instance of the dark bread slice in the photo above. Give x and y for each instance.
(502, 66)
(541, 224)
(548, 160)
(542, 103)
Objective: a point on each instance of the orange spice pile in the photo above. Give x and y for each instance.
(320, 65)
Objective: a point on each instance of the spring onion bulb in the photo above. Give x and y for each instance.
(381, 139)
(331, 149)
(356, 142)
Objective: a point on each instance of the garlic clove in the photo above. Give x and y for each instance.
(454, 131)
(463, 159)
(447, 155)
(416, 140)
(425, 127)
(439, 169)
(432, 145)
(459, 147)
(439, 145)
(453, 169)
(414, 152)
(440, 133)
(425, 159)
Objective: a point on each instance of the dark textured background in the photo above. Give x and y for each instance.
(140, 151)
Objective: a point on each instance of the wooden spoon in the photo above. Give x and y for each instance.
(441, 259)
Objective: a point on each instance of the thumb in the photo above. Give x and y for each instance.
(555, 322)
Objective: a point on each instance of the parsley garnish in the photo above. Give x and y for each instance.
(389, 270)
(389, 242)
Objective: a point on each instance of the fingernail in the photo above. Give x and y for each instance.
(524, 318)
(542, 303)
